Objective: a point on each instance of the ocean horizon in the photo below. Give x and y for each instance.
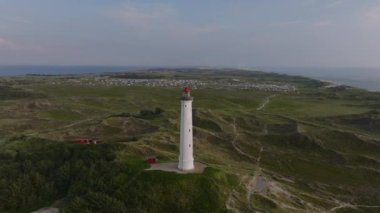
(17, 70)
(365, 78)
(361, 77)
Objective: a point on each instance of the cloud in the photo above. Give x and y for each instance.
(335, 3)
(3, 41)
(371, 17)
(149, 18)
(8, 45)
(322, 23)
(14, 20)
(287, 23)
(160, 18)
(17, 19)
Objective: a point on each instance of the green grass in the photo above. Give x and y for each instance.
(301, 106)
(329, 158)
(262, 203)
(85, 173)
(320, 171)
(60, 115)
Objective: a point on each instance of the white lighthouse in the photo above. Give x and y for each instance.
(186, 160)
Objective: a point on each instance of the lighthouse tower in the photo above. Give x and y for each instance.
(186, 160)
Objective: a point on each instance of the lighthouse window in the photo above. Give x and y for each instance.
(185, 105)
(189, 145)
(189, 130)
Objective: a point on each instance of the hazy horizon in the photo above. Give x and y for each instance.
(252, 67)
(244, 33)
(366, 78)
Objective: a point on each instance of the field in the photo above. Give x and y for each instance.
(315, 148)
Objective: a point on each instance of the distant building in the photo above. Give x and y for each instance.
(151, 159)
(87, 141)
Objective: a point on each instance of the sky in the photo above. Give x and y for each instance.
(238, 33)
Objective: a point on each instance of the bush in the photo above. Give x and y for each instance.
(148, 114)
(91, 180)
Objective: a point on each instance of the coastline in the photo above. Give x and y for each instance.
(336, 76)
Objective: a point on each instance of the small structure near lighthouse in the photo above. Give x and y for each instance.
(186, 160)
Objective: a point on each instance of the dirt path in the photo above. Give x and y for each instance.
(267, 100)
(260, 184)
(68, 126)
(47, 210)
(259, 157)
(231, 202)
(253, 185)
(348, 205)
(257, 184)
(234, 140)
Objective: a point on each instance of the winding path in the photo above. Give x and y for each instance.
(256, 184)
(352, 206)
(233, 142)
(267, 100)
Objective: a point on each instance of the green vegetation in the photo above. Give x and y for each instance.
(263, 203)
(9, 93)
(317, 148)
(60, 115)
(91, 178)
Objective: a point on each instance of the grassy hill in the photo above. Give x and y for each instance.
(303, 147)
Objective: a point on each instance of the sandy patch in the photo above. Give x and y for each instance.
(47, 210)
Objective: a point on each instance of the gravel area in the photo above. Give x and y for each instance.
(173, 167)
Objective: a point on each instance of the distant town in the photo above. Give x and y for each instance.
(169, 83)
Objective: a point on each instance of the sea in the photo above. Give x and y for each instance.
(15, 70)
(366, 78)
